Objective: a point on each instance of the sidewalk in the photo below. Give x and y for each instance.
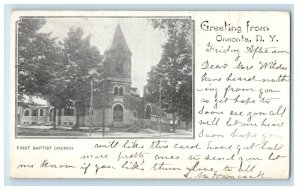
(39, 130)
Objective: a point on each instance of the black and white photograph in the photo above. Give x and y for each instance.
(150, 95)
(104, 77)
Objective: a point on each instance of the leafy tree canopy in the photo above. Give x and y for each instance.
(174, 68)
(37, 57)
(56, 71)
(82, 63)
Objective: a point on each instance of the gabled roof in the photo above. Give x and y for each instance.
(32, 101)
(118, 41)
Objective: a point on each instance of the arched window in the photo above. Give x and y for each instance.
(115, 91)
(118, 113)
(51, 115)
(121, 91)
(148, 112)
(26, 113)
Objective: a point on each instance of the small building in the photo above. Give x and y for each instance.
(31, 111)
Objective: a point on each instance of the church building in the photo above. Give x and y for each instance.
(118, 105)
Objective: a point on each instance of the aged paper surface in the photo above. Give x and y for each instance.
(158, 95)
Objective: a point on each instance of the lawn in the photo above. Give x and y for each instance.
(61, 131)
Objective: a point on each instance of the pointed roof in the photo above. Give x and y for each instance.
(118, 41)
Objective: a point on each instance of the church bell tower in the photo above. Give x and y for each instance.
(117, 58)
(117, 65)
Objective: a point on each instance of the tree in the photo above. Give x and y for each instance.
(39, 63)
(174, 69)
(37, 52)
(83, 64)
(55, 71)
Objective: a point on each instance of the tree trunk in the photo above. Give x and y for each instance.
(54, 117)
(103, 115)
(174, 120)
(59, 117)
(187, 125)
(77, 122)
(76, 126)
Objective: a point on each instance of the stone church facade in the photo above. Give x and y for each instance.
(119, 101)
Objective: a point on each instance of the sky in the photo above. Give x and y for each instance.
(144, 42)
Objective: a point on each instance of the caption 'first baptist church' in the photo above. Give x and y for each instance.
(118, 106)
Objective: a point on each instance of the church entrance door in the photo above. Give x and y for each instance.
(118, 113)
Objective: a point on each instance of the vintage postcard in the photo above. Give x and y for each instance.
(150, 94)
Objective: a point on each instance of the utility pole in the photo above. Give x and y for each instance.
(103, 114)
(143, 115)
(160, 107)
(91, 108)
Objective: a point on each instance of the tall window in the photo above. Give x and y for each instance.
(116, 91)
(148, 112)
(51, 114)
(26, 113)
(121, 91)
(118, 113)
(41, 112)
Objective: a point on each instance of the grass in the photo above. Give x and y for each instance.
(96, 132)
